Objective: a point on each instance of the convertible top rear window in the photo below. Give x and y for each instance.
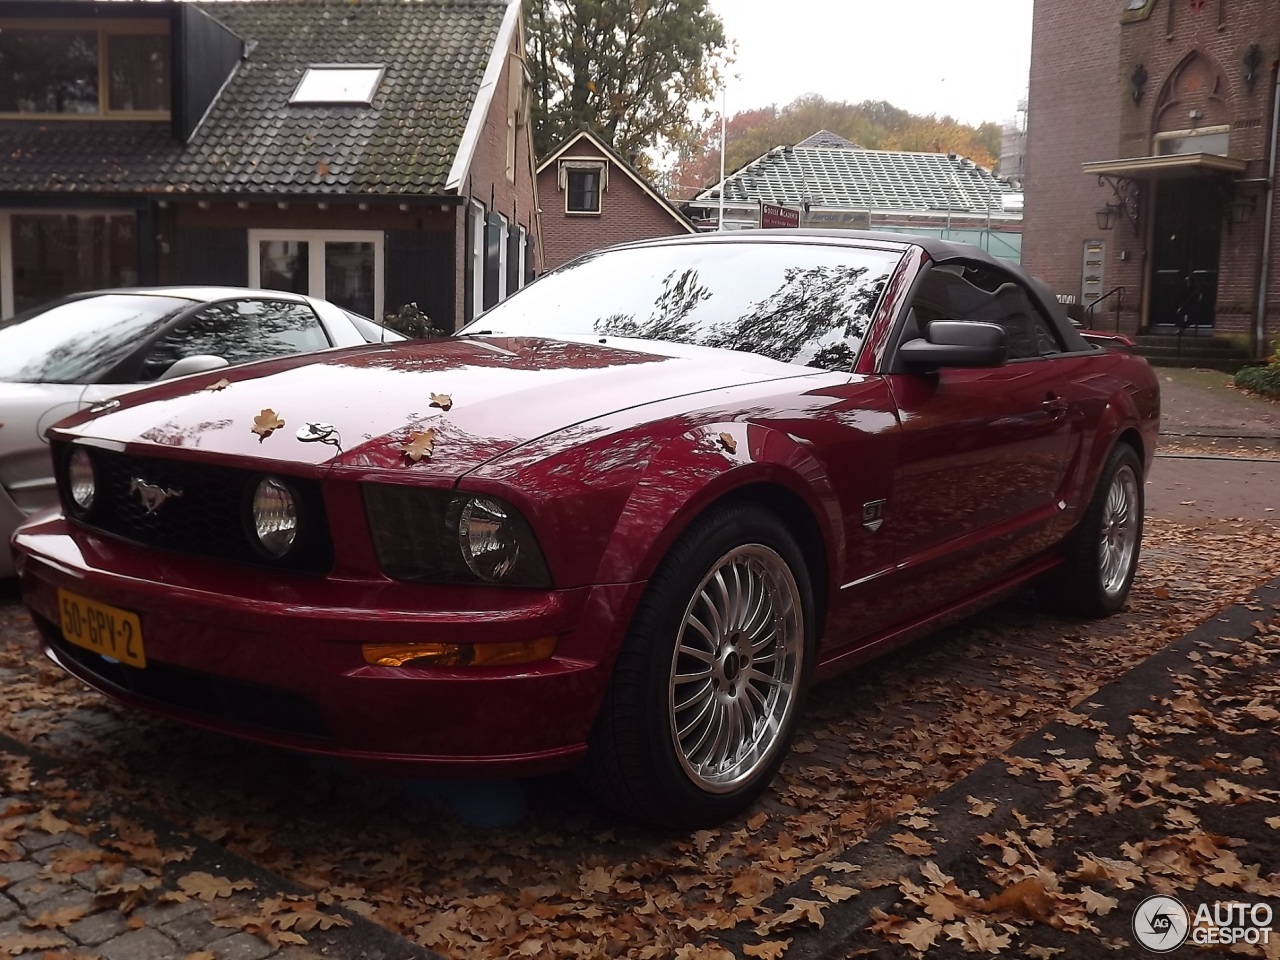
(808, 304)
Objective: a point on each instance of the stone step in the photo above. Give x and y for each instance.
(1190, 350)
(1196, 344)
(1222, 364)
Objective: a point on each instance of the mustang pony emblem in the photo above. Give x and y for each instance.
(152, 496)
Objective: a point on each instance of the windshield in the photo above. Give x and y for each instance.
(807, 304)
(79, 341)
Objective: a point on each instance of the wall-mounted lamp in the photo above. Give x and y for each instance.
(1137, 83)
(1252, 61)
(1107, 214)
(1240, 209)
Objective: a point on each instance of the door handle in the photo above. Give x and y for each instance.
(1055, 405)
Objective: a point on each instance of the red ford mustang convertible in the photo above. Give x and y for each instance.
(621, 522)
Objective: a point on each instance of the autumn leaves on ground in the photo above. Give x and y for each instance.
(1121, 808)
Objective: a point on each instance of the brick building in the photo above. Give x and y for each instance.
(1150, 153)
(593, 198)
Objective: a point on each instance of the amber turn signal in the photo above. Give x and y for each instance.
(458, 654)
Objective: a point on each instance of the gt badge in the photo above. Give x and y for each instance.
(152, 496)
(873, 514)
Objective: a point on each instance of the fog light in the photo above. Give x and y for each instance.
(458, 654)
(275, 517)
(80, 480)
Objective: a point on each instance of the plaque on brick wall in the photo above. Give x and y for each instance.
(1093, 271)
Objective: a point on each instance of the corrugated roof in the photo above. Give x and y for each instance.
(254, 141)
(864, 180)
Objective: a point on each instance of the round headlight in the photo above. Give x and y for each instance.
(80, 481)
(489, 539)
(275, 517)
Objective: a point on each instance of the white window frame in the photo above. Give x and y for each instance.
(316, 72)
(1216, 130)
(315, 240)
(479, 240)
(584, 165)
(504, 226)
(6, 240)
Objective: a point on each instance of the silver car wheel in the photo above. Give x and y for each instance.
(734, 672)
(1118, 537)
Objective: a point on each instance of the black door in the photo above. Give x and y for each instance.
(1188, 235)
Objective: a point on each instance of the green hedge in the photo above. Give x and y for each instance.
(1264, 381)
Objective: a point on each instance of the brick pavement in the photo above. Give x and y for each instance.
(80, 882)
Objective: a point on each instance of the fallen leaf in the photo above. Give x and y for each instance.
(920, 934)
(1097, 903)
(1027, 898)
(17, 943)
(56, 919)
(442, 400)
(768, 950)
(266, 423)
(911, 845)
(207, 887)
(980, 808)
(421, 444)
(220, 385)
(728, 442)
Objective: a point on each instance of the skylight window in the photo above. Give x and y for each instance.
(333, 84)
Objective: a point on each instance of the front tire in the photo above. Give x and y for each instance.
(1102, 556)
(704, 696)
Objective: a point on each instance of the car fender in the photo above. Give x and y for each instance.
(1118, 415)
(706, 464)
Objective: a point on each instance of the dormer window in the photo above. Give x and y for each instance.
(338, 84)
(583, 182)
(116, 70)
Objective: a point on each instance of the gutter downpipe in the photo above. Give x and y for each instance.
(1264, 274)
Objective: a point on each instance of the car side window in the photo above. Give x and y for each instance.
(238, 331)
(979, 293)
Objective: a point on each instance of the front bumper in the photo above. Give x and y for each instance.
(276, 658)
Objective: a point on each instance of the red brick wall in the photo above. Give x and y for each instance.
(1075, 47)
(627, 212)
(487, 180)
(1082, 108)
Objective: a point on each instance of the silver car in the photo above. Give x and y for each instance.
(90, 347)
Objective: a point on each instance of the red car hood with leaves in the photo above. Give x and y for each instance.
(499, 393)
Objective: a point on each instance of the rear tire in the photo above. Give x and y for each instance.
(1102, 554)
(704, 696)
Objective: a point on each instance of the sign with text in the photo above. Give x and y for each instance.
(774, 216)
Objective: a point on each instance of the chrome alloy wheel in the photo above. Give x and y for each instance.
(735, 669)
(1119, 530)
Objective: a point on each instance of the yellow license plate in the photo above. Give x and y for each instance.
(104, 629)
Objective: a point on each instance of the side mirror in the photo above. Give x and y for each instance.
(958, 343)
(200, 363)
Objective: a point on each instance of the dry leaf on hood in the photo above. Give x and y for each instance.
(420, 445)
(266, 423)
(220, 385)
(442, 400)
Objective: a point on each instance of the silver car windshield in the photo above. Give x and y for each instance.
(808, 304)
(79, 341)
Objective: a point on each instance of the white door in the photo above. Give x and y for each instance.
(342, 266)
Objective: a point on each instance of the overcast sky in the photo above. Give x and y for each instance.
(966, 58)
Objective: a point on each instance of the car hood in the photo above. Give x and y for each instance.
(479, 398)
